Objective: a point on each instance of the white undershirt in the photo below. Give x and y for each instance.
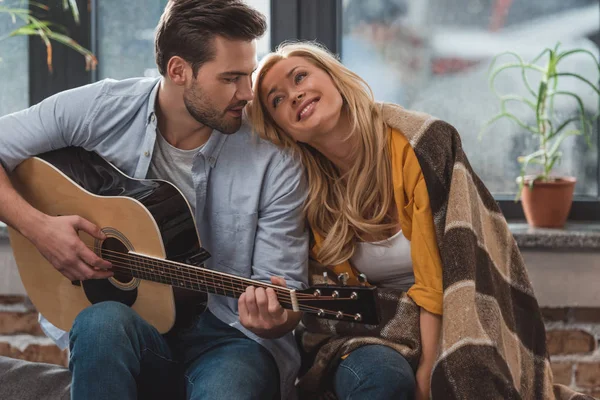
(386, 263)
(174, 165)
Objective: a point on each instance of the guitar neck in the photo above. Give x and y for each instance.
(194, 278)
(329, 302)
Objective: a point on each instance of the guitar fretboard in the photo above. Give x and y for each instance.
(190, 277)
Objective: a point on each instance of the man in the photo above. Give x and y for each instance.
(247, 195)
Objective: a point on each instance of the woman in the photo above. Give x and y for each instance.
(370, 209)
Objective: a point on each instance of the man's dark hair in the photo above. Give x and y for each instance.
(187, 29)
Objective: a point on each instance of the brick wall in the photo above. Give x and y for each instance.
(573, 337)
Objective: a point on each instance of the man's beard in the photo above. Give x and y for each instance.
(203, 111)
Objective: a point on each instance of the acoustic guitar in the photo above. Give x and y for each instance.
(152, 243)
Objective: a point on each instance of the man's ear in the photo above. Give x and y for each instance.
(179, 71)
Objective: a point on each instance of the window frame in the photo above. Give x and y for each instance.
(302, 21)
(290, 20)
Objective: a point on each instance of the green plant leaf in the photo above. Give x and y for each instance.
(527, 158)
(546, 50)
(510, 116)
(541, 102)
(38, 5)
(590, 84)
(509, 97)
(562, 126)
(521, 63)
(556, 157)
(530, 184)
(560, 139)
(40, 28)
(581, 108)
(74, 9)
(90, 59)
(567, 53)
(503, 67)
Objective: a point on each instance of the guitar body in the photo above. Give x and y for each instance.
(150, 217)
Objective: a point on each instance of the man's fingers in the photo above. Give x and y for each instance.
(274, 307)
(92, 259)
(70, 276)
(84, 272)
(89, 228)
(102, 274)
(251, 302)
(242, 309)
(262, 301)
(279, 281)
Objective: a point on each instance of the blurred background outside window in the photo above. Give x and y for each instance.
(124, 44)
(426, 55)
(14, 79)
(126, 36)
(433, 56)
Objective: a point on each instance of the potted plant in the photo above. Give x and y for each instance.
(33, 25)
(546, 198)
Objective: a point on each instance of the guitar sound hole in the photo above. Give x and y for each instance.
(115, 251)
(122, 286)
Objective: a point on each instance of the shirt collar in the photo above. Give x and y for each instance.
(213, 147)
(151, 113)
(215, 142)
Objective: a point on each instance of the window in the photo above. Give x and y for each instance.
(125, 36)
(14, 84)
(433, 56)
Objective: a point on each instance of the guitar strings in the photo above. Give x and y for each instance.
(216, 286)
(225, 286)
(192, 272)
(127, 257)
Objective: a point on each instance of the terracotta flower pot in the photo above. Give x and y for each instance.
(549, 203)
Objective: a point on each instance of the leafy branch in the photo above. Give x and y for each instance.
(46, 30)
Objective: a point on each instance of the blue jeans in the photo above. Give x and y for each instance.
(374, 372)
(115, 354)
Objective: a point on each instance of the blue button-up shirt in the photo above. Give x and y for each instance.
(249, 194)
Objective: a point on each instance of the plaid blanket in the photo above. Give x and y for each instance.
(493, 343)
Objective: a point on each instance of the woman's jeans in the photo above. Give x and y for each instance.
(374, 372)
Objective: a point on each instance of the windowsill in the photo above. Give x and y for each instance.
(566, 278)
(575, 235)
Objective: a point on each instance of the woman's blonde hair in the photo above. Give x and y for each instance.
(341, 209)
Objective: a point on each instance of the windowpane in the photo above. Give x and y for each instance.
(14, 79)
(434, 55)
(126, 36)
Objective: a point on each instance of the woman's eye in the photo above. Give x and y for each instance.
(298, 78)
(276, 101)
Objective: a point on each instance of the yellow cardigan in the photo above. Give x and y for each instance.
(416, 222)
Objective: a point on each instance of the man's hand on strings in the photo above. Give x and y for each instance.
(261, 312)
(57, 240)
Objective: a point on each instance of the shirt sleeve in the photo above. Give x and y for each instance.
(427, 291)
(59, 121)
(281, 241)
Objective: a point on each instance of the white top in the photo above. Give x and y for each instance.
(174, 165)
(386, 263)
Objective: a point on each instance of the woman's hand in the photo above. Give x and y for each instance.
(431, 326)
(423, 380)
